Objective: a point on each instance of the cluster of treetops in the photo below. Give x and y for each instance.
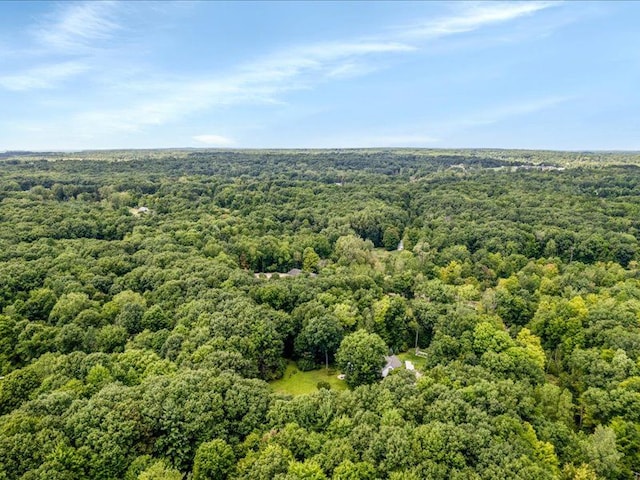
(139, 344)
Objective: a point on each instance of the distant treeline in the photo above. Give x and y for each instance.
(138, 343)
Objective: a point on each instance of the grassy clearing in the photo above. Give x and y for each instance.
(418, 362)
(295, 382)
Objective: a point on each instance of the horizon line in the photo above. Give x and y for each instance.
(240, 149)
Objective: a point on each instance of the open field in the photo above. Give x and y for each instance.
(296, 382)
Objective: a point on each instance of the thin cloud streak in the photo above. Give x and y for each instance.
(78, 27)
(81, 31)
(214, 140)
(472, 18)
(509, 111)
(46, 76)
(467, 123)
(299, 68)
(72, 34)
(260, 82)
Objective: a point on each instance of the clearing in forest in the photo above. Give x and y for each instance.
(297, 382)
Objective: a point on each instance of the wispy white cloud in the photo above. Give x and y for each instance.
(78, 27)
(265, 80)
(449, 131)
(332, 50)
(320, 58)
(509, 111)
(351, 70)
(45, 76)
(214, 140)
(75, 34)
(472, 17)
(258, 82)
(444, 129)
(80, 32)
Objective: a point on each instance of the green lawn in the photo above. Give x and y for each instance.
(295, 382)
(418, 362)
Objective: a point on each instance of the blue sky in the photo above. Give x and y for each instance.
(320, 74)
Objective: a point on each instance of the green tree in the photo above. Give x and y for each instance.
(390, 321)
(130, 317)
(214, 461)
(111, 338)
(308, 470)
(16, 387)
(160, 471)
(271, 462)
(139, 465)
(361, 357)
(155, 318)
(39, 304)
(348, 470)
(602, 452)
(68, 307)
(391, 238)
(320, 335)
(310, 260)
(350, 249)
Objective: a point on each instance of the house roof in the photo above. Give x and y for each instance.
(393, 361)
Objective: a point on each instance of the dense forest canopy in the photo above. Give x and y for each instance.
(151, 301)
